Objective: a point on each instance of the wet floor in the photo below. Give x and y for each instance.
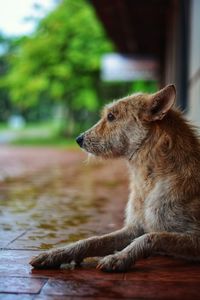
(63, 199)
(51, 197)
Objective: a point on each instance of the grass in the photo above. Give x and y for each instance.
(3, 126)
(37, 134)
(44, 141)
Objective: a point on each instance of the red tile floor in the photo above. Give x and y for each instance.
(50, 197)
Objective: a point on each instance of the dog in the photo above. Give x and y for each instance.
(162, 150)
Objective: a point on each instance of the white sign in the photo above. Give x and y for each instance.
(117, 67)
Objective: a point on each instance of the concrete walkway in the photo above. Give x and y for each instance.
(51, 197)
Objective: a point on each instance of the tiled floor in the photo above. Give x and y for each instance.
(51, 197)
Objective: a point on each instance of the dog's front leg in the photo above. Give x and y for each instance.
(91, 247)
(169, 243)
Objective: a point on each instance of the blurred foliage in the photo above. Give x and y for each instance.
(54, 73)
(5, 104)
(60, 62)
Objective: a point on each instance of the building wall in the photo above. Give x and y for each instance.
(194, 63)
(176, 54)
(171, 53)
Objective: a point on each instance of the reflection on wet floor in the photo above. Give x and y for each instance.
(51, 197)
(61, 200)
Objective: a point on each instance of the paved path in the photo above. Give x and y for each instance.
(51, 197)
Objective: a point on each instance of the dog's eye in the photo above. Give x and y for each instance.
(110, 117)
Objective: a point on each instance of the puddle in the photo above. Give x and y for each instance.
(60, 204)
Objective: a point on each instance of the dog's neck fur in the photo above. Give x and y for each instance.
(171, 151)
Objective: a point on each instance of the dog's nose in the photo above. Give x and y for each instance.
(80, 139)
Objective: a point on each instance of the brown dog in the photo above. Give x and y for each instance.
(163, 211)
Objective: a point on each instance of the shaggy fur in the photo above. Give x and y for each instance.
(163, 211)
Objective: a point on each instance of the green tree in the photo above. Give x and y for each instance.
(61, 60)
(6, 48)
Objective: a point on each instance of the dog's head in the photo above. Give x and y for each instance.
(126, 123)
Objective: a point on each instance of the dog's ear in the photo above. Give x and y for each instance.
(158, 104)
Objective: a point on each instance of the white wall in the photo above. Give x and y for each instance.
(194, 64)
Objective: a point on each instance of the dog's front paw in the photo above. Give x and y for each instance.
(50, 259)
(118, 262)
(53, 259)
